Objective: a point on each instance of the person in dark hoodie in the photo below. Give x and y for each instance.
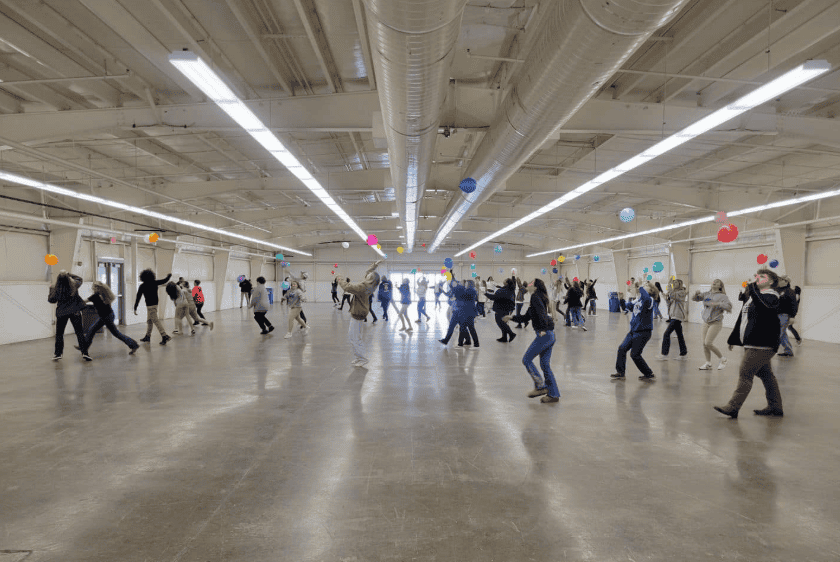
(520, 299)
(573, 299)
(65, 295)
(245, 292)
(503, 305)
(334, 291)
(545, 385)
(788, 307)
(385, 289)
(757, 330)
(102, 298)
(591, 298)
(641, 328)
(463, 314)
(149, 290)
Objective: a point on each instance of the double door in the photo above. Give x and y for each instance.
(111, 273)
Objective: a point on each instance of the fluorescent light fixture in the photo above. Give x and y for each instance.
(29, 182)
(710, 218)
(191, 66)
(796, 77)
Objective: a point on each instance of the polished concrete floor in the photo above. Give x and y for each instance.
(230, 446)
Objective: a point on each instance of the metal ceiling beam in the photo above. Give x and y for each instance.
(318, 39)
(364, 42)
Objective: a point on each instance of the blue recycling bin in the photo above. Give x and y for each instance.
(270, 295)
(614, 304)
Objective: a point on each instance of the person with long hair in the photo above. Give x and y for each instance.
(245, 289)
(359, 309)
(421, 287)
(192, 308)
(482, 298)
(405, 300)
(520, 299)
(657, 314)
(69, 305)
(503, 305)
(463, 314)
(677, 300)
(787, 310)
(149, 291)
(545, 385)
(102, 298)
(294, 298)
(259, 302)
(758, 331)
(334, 292)
(198, 298)
(591, 298)
(715, 303)
(182, 309)
(573, 299)
(641, 329)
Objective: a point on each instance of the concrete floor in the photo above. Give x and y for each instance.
(231, 446)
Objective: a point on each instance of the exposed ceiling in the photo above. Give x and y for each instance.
(147, 137)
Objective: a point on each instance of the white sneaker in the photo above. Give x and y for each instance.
(583, 328)
(288, 336)
(706, 366)
(722, 363)
(660, 357)
(679, 358)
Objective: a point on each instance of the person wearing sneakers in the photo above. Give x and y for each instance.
(294, 298)
(677, 300)
(757, 330)
(463, 314)
(641, 328)
(149, 290)
(503, 305)
(787, 310)
(798, 292)
(715, 303)
(421, 288)
(385, 289)
(65, 295)
(573, 300)
(438, 290)
(405, 300)
(245, 289)
(176, 293)
(359, 308)
(102, 298)
(259, 302)
(192, 308)
(545, 385)
(334, 291)
(198, 298)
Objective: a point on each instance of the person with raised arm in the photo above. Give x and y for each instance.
(359, 308)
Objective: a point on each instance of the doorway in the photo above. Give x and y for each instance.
(111, 273)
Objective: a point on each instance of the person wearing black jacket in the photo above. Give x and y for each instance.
(573, 300)
(798, 292)
(591, 298)
(245, 292)
(102, 298)
(503, 304)
(787, 310)
(149, 289)
(545, 385)
(65, 295)
(757, 331)
(520, 300)
(334, 291)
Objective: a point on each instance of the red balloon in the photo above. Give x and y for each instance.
(335, 265)
(553, 262)
(332, 272)
(762, 258)
(628, 282)
(575, 279)
(472, 255)
(727, 233)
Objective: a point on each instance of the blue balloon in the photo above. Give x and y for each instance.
(627, 214)
(774, 263)
(543, 271)
(577, 256)
(448, 263)
(467, 185)
(554, 270)
(597, 258)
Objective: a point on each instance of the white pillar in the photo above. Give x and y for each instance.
(790, 248)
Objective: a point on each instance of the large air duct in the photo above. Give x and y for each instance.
(412, 42)
(581, 44)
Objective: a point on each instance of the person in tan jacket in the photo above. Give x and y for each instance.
(359, 309)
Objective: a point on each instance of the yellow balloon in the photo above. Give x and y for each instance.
(379, 246)
(400, 250)
(561, 259)
(448, 276)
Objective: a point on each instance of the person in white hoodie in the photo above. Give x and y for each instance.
(715, 303)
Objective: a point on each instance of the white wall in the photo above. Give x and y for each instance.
(25, 313)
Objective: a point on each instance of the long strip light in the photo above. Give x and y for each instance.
(21, 180)
(710, 218)
(205, 79)
(799, 75)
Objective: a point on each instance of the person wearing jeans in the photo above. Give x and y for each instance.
(359, 308)
(545, 385)
(641, 328)
(677, 300)
(463, 314)
(757, 330)
(385, 296)
(102, 298)
(715, 303)
(787, 303)
(149, 290)
(421, 288)
(65, 295)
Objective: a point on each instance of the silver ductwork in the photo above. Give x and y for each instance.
(580, 45)
(413, 43)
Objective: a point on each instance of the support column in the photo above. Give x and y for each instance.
(680, 262)
(622, 272)
(164, 262)
(790, 245)
(132, 272)
(256, 268)
(583, 270)
(221, 259)
(66, 243)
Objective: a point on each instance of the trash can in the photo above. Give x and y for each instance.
(270, 295)
(89, 318)
(614, 304)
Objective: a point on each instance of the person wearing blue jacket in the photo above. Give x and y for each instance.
(641, 328)
(438, 292)
(384, 296)
(463, 313)
(405, 300)
(545, 385)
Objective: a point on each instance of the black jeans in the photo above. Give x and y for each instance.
(794, 332)
(506, 331)
(634, 343)
(198, 307)
(263, 321)
(335, 298)
(109, 323)
(370, 305)
(344, 298)
(61, 325)
(467, 332)
(519, 306)
(673, 326)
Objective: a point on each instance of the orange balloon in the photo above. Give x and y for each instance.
(51, 259)
(153, 237)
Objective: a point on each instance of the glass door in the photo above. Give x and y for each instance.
(111, 274)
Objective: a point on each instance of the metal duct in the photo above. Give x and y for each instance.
(580, 45)
(413, 43)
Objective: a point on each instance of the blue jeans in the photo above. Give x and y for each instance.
(634, 343)
(656, 312)
(421, 308)
(576, 317)
(542, 346)
(108, 322)
(386, 304)
(784, 320)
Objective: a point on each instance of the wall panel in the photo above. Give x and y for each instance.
(22, 257)
(822, 263)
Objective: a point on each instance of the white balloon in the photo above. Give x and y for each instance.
(345, 245)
